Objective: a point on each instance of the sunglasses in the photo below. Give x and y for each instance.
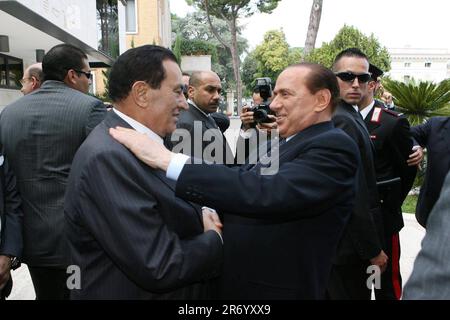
(87, 74)
(350, 77)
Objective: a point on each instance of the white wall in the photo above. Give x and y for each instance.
(196, 63)
(77, 17)
(8, 96)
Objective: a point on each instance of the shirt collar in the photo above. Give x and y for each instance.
(193, 103)
(139, 127)
(364, 112)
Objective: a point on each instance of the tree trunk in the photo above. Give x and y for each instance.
(313, 28)
(236, 64)
(233, 50)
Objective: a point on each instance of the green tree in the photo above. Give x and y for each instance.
(176, 48)
(295, 55)
(349, 37)
(107, 18)
(268, 59)
(272, 54)
(420, 100)
(249, 73)
(193, 27)
(230, 11)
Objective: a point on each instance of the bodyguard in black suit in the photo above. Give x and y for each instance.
(130, 235)
(435, 136)
(281, 227)
(204, 97)
(41, 133)
(391, 137)
(361, 245)
(11, 216)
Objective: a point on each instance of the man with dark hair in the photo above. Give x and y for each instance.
(361, 244)
(130, 235)
(389, 133)
(281, 226)
(41, 133)
(33, 77)
(204, 97)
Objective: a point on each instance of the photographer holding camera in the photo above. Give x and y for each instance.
(260, 115)
(258, 119)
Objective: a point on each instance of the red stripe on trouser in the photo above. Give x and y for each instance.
(395, 266)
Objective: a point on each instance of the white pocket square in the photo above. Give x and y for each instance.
(2, 159)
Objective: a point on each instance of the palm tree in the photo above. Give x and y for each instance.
(420, 100)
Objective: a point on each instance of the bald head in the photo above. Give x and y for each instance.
(32, 79)
(204, 90)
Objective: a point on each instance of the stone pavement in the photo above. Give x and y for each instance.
(410, 238)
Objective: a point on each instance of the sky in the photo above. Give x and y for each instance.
(396, 23)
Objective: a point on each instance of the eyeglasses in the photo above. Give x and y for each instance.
(350, 77)
(87, 74)
(23, 80)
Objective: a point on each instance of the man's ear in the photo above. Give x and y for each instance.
(140, 91)
(70, 79)
(36, 82)
(323, 98)
(191, 91)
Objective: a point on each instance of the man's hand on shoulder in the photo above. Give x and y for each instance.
(145, 149)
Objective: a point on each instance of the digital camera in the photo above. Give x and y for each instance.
(261, 111)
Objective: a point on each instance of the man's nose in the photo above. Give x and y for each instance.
(183, 104)
(355, 83)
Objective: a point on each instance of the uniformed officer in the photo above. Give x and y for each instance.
(389, 132)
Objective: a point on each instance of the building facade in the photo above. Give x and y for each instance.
(29, 28)
(419, 64)
(140, 22)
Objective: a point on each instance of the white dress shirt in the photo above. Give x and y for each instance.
(364, 112)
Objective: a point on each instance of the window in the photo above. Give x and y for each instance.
(11, 71)
(131, 16)
(427, 64)
(407, 64)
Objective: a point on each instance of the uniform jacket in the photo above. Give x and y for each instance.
(391, 137)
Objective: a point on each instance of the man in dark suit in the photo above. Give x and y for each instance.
(11, 242)
(204, 140)
(281, 226)
(41, 133)
(130, 235)
(390, 134)
(430, 277)
(435, 136)
(361, 245)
